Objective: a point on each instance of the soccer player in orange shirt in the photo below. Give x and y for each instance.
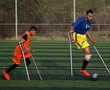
(25, 41)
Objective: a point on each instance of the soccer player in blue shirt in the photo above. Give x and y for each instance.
(79, 33)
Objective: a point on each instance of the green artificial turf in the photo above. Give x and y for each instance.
(53, 60)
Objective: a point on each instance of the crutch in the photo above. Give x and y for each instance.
(37, 68)
(71, 61)
(27, 72)
(101, 59)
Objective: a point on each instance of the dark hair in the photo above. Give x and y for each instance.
(33, 28)
(89, 11)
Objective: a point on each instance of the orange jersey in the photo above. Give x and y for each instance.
(26, 47)
(27, 42)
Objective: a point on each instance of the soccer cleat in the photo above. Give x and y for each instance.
(7, 76)
(85, 73)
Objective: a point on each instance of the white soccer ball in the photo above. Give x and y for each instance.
(94, 75)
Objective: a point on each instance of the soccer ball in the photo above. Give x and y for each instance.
(94, 75)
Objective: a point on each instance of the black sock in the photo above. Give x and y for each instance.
(85, 63)
(28, 62)
(11, 68)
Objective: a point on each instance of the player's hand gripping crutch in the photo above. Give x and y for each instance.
(27, 72)
(101, 59)
(37, 68)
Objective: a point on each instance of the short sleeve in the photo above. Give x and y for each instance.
(80, 20)
(25, 37)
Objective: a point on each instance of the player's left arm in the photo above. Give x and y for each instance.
(90, 37)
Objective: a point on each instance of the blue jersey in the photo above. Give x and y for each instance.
(81, 26)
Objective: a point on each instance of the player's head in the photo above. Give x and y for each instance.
(33, 30)
(89, 14)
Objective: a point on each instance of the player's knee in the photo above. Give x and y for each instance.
(88, 56)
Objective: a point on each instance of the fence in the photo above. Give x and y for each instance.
(52, 18)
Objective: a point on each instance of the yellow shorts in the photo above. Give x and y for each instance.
(81, 40)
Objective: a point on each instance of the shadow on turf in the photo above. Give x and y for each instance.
(83, 77)
(51, 88)
(56, 77)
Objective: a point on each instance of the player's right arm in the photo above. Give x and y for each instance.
(71, 34)
(24, 38)
(75, 25)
